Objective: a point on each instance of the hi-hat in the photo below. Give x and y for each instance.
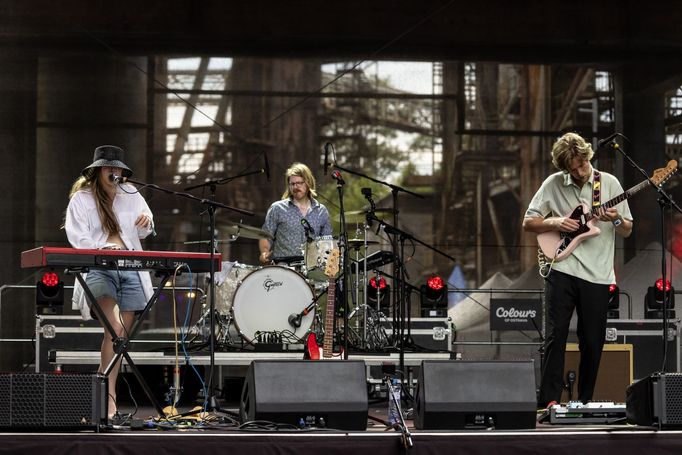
(245, 231)
(366, 211)
(359, 242)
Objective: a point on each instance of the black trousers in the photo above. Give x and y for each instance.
(563, 294)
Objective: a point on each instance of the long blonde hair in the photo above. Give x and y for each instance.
(105, 204)
(303, 171)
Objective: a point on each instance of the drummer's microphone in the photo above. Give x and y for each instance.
(295, 320)
(308, 229)
(336, 175)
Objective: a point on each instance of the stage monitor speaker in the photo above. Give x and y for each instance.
(52, 401)
(326, 394)
(655, 401)
(462, 394)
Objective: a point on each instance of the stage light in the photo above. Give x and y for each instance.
(613, 311)
(50, 294)
(434, 297)
(654, 300)
(378, 289)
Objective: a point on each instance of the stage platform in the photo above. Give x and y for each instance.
(239, 358)
(620, 439)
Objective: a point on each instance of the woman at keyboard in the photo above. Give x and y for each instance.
(105, 213)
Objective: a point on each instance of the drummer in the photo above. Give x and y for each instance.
(294, 219)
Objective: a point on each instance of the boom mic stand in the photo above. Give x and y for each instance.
(665, 201)
(398, 295)
(343, 242)
(211, 206)
(403, 236)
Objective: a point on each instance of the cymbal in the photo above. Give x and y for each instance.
(245, 231)
(360, 242)
(366, 211)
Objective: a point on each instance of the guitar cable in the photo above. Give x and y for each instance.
(545, 268)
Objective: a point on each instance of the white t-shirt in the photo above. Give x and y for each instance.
(84, 230)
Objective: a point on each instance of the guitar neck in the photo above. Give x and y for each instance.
(621, 197)
(329, 321)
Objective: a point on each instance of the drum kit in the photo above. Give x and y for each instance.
(281, 303)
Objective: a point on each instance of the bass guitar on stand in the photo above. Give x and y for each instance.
(557, 246)
(313, 350)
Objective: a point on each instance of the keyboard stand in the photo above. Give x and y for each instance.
(121, 344)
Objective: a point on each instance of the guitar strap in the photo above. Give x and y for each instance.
(596, 189)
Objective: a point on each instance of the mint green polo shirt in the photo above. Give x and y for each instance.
(592, 260)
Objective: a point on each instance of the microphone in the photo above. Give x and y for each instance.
(336, 175)
(326, 157)
(117, 178)
(295, 320)
(308, 229)
(267, 166)
(606, 141)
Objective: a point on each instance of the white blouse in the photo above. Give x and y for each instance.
(84, 230)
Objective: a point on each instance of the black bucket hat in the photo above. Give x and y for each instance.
(108, 155)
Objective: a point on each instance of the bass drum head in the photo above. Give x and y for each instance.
(264, 301)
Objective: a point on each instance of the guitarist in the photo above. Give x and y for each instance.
(581, 281)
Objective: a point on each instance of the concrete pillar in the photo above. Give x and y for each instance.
(17, 186)
(643, 123)
(84, 101)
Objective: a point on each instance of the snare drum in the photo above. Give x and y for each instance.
(225, 289)
(266, 299)
(316, 254)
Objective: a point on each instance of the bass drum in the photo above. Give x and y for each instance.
(227, 285)
(264, 301)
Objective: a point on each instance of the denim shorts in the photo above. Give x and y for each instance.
(123, 286)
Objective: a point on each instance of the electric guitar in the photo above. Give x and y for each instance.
(558, 246)
(313, 350)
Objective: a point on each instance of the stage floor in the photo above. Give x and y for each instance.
(588, 440)
(377, 440)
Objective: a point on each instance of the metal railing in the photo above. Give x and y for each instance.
(492, 291)
(36, 329)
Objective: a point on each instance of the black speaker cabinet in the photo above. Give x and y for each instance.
(326, 393)
(655, 401)
(52, 401)
(462, 394)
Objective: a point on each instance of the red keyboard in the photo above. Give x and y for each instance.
(47, 256)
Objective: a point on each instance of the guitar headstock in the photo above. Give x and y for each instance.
(664, 173)
(332, 267)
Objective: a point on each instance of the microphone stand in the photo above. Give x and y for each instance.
(343, 242)
(388, 229)
(211, 206)
(295, 318)
(212, 183)
(665, 203)
(398, 297)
